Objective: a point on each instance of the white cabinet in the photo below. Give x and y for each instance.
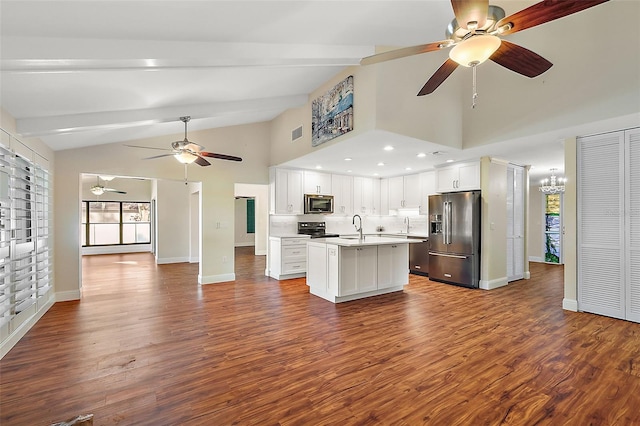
(358, 271)
(342, 187)
(287, 257)
(458, 177)
(384, 197)
(393, 265)
(427, 187)
(404, 192)
(365, 199)
(515, 222)
(608, 202)
(339, 273)
(286, 191)
(317, 183)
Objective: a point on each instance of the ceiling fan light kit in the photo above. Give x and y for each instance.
(475, 34)
(475, 50)
(185, 157)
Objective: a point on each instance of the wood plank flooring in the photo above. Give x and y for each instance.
(148, 346)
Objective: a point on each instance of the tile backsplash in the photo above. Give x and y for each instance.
(288, 225)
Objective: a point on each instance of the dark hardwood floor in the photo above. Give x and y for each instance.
(148, 346)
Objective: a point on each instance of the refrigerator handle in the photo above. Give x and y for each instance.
(445, 216)
(448, 217)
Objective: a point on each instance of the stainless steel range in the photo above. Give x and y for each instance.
(314, 229)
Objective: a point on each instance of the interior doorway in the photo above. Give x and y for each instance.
(553, 227)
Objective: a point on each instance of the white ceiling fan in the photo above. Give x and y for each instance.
(98, 189)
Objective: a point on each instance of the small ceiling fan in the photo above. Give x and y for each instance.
(188, 152)
(101, 189)
(475, 36)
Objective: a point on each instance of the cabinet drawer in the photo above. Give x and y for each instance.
(294, 242)
(294, 267)
(289, 252)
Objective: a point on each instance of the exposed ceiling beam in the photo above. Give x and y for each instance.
(72, 123)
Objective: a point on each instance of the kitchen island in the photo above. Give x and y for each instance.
(343, 269)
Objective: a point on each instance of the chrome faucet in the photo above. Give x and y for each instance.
(406, 220)
(359, 226)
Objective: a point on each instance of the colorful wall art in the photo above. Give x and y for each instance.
(332, 113)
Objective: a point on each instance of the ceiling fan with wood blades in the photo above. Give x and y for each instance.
(188, 152)
(99, 189)
(475, 35)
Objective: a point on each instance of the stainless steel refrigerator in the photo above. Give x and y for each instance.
(454, 238)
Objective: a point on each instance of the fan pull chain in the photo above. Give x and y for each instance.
(475, 90)
(185, 175)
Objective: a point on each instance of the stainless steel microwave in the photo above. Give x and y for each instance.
(314, 203)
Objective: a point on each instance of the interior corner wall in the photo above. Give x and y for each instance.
(493, 180)
(435, 118)
(364, 115)
(241, 237)
(589, 81)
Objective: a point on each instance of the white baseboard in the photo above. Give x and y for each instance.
(23, 328)
(536, 259)
(248, 244)
(527, 275)
(165, 260)
(570, 305)
(213, 279)
(134, 248)
(492, 284)
(194, 260)
(261, 252)
(65, 296)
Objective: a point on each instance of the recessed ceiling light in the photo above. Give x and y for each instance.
(450, 161)
(318, 167)
(348, 159)
(349, 171)
(408, 168)
(388, 148)
(375, 174)
(421, 155)
(381, 164)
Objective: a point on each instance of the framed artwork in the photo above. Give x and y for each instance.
(332, 113)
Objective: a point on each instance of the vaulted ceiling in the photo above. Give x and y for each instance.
(80, 73)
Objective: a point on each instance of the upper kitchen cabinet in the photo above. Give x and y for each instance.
(366, 195)
(286, 191)
(458, 177)
(342, 187)
(317, 183)
(404, 192)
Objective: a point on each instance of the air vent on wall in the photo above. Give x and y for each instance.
(296, 134)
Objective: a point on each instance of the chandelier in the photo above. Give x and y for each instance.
(553, 185)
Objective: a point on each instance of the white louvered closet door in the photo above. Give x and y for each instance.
(601, 281)
(632, 217)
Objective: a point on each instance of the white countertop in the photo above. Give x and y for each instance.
(369, 240)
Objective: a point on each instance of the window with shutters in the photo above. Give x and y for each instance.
(26, 257)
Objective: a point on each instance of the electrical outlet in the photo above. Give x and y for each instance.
(224, 259)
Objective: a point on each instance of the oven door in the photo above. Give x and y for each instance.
(318, 203)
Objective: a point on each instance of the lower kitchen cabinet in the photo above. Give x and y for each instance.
(393, 265)
(287, 257)
(358, 272)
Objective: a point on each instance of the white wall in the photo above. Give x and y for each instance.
(536, 224)
(195, 190)
(173, 221)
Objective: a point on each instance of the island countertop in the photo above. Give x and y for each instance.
(368, 240)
